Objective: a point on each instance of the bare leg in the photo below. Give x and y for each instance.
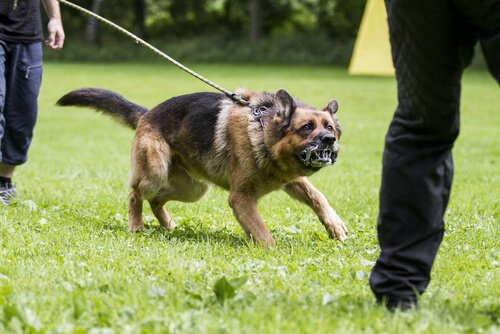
(302, 190)
(7, 170)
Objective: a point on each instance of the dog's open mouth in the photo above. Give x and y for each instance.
(316, 157)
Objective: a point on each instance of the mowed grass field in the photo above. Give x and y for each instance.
(68, 264)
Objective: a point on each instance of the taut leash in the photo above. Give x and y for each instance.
(235, 97)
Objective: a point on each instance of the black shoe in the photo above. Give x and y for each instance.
(402, 303)
(7, 191)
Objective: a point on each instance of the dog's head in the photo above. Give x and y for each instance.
(300, 137)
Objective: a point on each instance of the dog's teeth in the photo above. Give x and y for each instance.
(316, 157)
(304, 155)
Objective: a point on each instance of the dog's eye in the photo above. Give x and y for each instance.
(307, 127)
(329, 127)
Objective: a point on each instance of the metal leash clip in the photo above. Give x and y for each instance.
(258, 113)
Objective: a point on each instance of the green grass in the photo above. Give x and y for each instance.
(68, 265)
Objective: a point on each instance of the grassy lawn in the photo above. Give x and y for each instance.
(68, 265)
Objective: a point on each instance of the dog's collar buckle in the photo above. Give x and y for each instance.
(258, 113)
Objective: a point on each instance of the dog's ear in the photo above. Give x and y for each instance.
(332, 107)
(285, 104)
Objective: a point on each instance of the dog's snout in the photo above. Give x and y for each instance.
(328, 139)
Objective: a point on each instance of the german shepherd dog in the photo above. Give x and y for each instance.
(191, 141)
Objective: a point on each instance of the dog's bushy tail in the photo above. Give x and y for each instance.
(107, 102)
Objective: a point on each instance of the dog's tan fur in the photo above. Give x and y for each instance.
(249, 157)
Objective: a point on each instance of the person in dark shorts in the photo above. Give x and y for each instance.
(21, 37)
(432, 43)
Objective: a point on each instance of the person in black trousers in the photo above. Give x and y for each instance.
(432, 43)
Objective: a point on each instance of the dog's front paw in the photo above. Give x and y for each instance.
(337, 230)
(262, 237)
(133, 228)
(267, 242)
(169, 225)
(336, 227)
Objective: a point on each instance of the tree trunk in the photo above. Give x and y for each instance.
(255, 20)
(92, 23)
(139, 17)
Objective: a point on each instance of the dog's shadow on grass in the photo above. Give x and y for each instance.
(186, 233)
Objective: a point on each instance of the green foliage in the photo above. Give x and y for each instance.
(340, 18)
(289, 49)
(68, 265)
(292, 31)
(225, 289)
(167, 19)
(181, 18)
(274, 14)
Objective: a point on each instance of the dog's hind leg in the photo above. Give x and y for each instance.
(135, 211)
(161, 214)
(150, 167)
(181, 187)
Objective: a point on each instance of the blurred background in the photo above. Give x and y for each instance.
(310, 32)
(236, 31)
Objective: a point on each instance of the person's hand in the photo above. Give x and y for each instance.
(56, 34)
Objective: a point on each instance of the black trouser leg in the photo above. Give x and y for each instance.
(484, 18)
(417, 161)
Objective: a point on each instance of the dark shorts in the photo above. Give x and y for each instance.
(20, 80)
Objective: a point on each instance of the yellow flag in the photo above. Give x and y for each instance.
(372, 50)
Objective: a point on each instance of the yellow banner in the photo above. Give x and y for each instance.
(372, 50)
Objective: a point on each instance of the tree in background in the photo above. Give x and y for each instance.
(255, 20)
(340, 18)
(252, 19)
(92, 23)
(140, 8)
(276, 26)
